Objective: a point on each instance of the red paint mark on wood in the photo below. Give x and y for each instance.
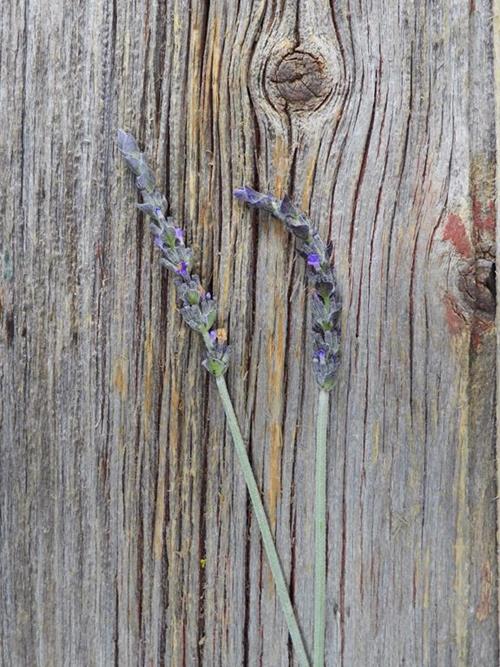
(484, 608)
(455, 319)
(484, 216)
(480, 328)
(455, 232)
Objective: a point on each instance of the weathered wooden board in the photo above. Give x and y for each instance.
(126, 535)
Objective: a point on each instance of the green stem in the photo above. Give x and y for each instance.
(320, 530)
(263, 523)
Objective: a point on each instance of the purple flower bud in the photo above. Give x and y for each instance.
(287, 207)
(248, 195)
(320, 355)
(314, 260)
(179, 234)
(182, 270)
(213, 336)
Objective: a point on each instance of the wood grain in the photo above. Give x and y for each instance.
(126, 534)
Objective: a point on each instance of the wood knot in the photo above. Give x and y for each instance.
(476, 268)
(299, 81)
(477, 283)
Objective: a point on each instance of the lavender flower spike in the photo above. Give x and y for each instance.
(326, 303)
(326, 341)
(198, 308)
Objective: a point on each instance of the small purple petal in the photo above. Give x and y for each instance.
(213, 336)
(320, 355)
(159, 212)
(182, 270)
(179, 234)
(314, 260)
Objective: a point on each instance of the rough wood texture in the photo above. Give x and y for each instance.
(496, 64)
(126, 533)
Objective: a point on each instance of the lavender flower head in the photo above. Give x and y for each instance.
(326, 302)
(198, 308)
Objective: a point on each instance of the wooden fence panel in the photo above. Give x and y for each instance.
(127, 537)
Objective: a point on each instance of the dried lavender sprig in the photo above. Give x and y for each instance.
(199, 309)
(326, 302)
(326, 305)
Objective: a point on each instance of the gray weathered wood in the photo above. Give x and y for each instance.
(126, 535)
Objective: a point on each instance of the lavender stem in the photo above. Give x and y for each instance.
(265, 531)
(320, 529)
